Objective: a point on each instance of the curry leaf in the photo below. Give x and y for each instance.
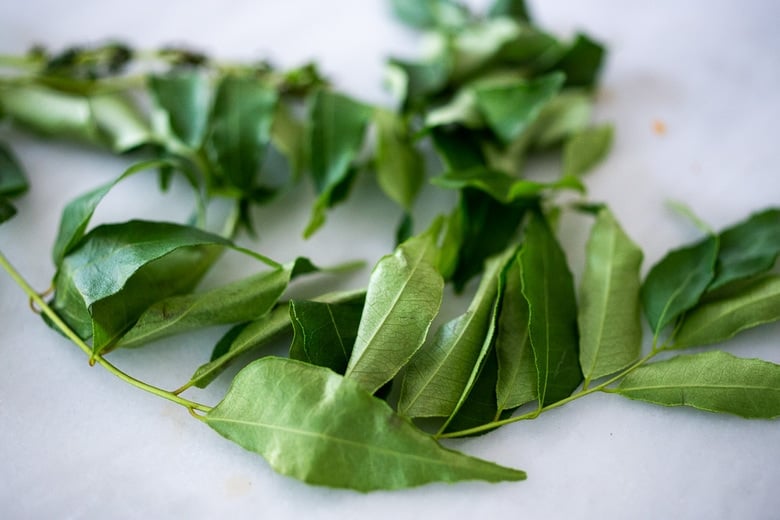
(403, 297)
(511, 108)
(255, 335)
(549, 290)
(337, 127)
(288, 135)
(712, 381)
(585, 149)
(322, 428)
(12, 179)
(516, 382)
(748, 248)
(609, 314)
(439, 377)
(399, 165)
(719, 319)
(582, 62)
(184, 98)
(428, 14)
(502, 187)
(118, 123)
(511, 8)
(324, 333)
(240, 128)
(677, 281)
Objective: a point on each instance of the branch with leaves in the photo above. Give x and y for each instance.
(364, 367)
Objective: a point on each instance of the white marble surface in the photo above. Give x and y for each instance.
(77, 443)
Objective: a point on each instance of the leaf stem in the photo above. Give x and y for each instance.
(535, 413)
(70, 334)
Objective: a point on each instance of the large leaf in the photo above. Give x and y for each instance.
(184, 98)
(516, 382)
(549, 291)
(314, 425)
(609, 313)
(248, 338)
(713, 381)
(337, 126)
(399, 165)
(720, 319)
(403, 297)
(240, 128)
(440, 375)
(511, 108)
(748, 248)
(324, 333)
(677, 281)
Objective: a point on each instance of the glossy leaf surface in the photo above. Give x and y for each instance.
(314, 425)
(712, 381)
(184, 98)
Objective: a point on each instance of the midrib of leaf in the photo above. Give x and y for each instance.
(443, 361)
(659, 325)
(735, 310)
(340, 440)
(392, 307)
(702, 386)
(545, 280)
(603, 314)
(338, 332)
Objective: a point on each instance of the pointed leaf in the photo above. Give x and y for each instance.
(403, 297)
(338, 124)
(324, 333)
(511, 108)
(609, 314)
(515, 9)
(549, 291)
(439, 377)
(711, 381)
(399, 165)
(582, 62)
(288, 135)
(314, 425)
(118, 122)
(722, 318)
(586, 149)
(516, 371)
(748, 248)
(184, 98)
(240, 128)
(12, 179)
(500, 186)
(677, 281)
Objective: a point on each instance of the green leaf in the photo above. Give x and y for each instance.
(711, 381)
(77, 214)
(586, 149)
(549, 290)
(515, 9)
(236, 302)
(183, 96)
(411, 83)
(430, 14)
(288, 135)
(441, 374)
(399, 165)
(321, 428)
(118, 122)
(462, 109)
(677, 281)
(582, 62)
(563, 117)
(609, 313)
(722, 318)
(510, 108)
(486, 228)
(748, 248)
(324, 333)
(248, 338)
(337, 127)
(7, 210)
(516, 382)
(403, 297)
(12, 179)
(458, 148)
(240, 129)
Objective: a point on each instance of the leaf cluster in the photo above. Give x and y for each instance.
(367, 369)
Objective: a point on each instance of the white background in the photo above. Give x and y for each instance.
(77, 443)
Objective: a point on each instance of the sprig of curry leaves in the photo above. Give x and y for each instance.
(494, 90)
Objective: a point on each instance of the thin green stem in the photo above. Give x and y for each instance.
(70, 334)
(535, 413)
